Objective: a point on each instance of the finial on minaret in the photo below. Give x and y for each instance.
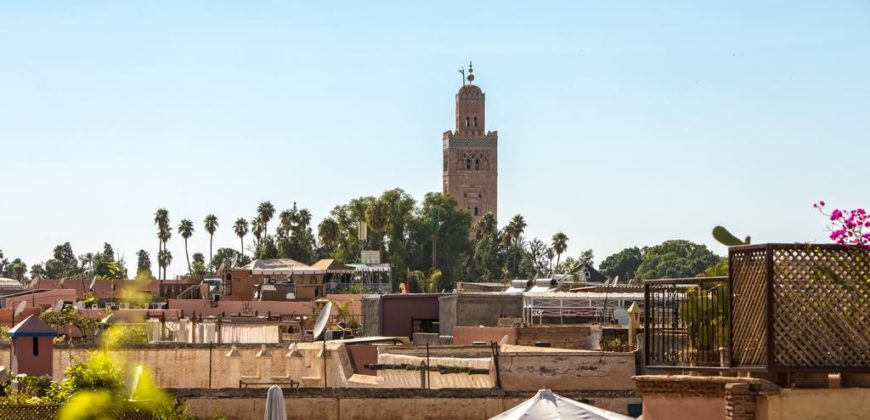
(470, 73)
(462, 72)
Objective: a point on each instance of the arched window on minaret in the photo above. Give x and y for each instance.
(476, 164)
(467, 123)
(475, 121)
(467, 163)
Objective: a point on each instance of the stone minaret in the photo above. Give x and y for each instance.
(471, 153)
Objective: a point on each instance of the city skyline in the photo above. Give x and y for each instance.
(110, 112)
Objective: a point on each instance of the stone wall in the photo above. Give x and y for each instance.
(691, 397)
(563, 370)
(561, 336)
(381, 403)
(843, 403)
(476, 309)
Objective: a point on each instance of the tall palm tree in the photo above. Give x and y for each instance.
(164, 259)
(304, 217)
(164, 236)
(161, 219)
(560, 244)
(377, 218)
(241, 229)
(211, 225)
(185, 229)
(328, 232)
(286, 220)
(266, 210)
(257, 229)
(516, 227)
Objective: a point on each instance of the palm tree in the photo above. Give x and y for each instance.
(185, 229)
(303, 218)
(266, 210)
(286, 220)
(164, 259)
(377, 218)
(161, 219)
(516, 227)
(164, 236)
(257, 229)
(211, 225)
(560, 244)
(328, 232)
(241, 229)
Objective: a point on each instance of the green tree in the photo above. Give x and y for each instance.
(164, 258)
(454, 246)
(241, 229)
(18, 269)
(198, 267)
(185, 229)
(143, 260)
(211, 224)
(37, 271)
(164, 233)
(228, 257)
(327, 230)
(265, 211)
(675, 259)
(486, 259)
(622, 264)
(257, 229)
(560, 245)
(377, 218)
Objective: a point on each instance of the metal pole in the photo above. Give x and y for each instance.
(434, 248)
(324, 359)
(210, 358)
(428, 378)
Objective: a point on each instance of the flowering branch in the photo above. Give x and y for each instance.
(848, 226)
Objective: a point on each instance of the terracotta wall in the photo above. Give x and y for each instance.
(204, 307)
(842, 403)
(24, 361)
(398, 311)
(468, 335)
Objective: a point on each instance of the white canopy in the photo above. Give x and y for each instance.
(546, 405)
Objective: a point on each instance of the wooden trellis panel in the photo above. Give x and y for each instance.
(748, 271)
(801, 307)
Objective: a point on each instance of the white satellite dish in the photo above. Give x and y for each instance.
(60, 283)
(59, 305)
(20, 308)
(621, 316)
(93, 282)
(503, 340)
(322, 320)
(49, 310)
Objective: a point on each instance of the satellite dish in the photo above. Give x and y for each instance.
(93, 282)
(503, 340)
(59, 305)
(48, 310)
(20, 308)
(60, 283)
(322, 320)
(621, 316)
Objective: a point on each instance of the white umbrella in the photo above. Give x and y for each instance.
(546, 405)
(275, 404)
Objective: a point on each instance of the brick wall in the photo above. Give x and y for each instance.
(561, 336)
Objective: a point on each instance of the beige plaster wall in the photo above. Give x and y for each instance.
(375, 408)
(566, 370)
(816, 404)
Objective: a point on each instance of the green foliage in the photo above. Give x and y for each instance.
(675, 259)
(706, 315)
(623, 264)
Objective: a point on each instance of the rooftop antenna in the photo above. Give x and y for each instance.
(462, 72)
(320, 328)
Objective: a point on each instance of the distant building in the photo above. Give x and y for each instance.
(470, 173)
(290, 279)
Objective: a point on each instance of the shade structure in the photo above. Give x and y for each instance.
(275, 404)
(546, 405)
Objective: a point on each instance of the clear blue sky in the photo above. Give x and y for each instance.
(620, 123)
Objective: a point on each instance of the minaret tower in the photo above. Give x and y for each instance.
(471, 153)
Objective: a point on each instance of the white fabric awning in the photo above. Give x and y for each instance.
(546, 405)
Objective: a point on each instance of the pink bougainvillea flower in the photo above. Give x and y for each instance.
(836, 214)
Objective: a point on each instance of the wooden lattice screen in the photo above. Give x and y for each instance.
(800, 307)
